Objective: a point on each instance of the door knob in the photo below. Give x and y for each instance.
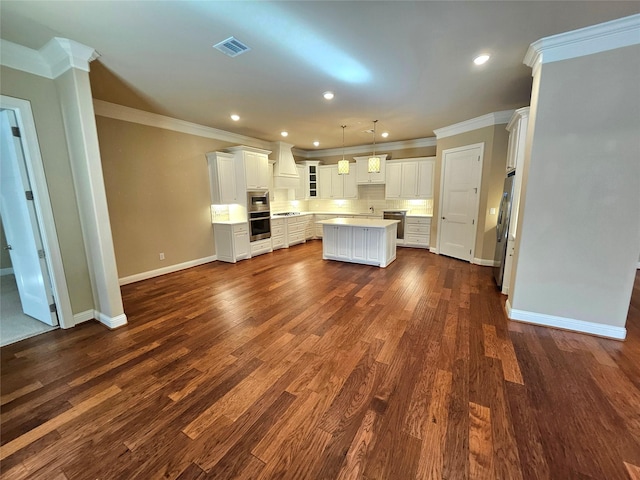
(8, 247)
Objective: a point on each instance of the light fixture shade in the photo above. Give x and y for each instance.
(343, 167)
(374, 164)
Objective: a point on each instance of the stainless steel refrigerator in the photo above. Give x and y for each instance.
(502, 228)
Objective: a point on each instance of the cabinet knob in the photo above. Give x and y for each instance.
(8, 247)
(443, 218)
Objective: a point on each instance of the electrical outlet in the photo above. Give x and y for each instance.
(162, 256)
(492, 211)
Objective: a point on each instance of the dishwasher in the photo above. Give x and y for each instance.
(396, 215)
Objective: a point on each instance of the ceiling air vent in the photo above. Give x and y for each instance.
(232, 47)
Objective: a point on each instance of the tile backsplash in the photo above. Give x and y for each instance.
(368, 196)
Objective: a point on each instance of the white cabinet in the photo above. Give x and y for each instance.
(393, 188)
(300, 192)
(232, 241)
(252, 167)
(359, 241)
(517, 128)
(295, 230)
(260, 246)
(278, 230)
(222, 179)
(410, 179)
(417, 232)
(366, 244)
(256, 167)
(337, 242)
(363, 177)
(336, 186)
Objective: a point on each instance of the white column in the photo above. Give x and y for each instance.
(69, 62)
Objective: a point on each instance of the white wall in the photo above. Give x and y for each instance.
(578, 233)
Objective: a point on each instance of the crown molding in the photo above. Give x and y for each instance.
(518, 114)
(63, 54)
(602, 37)
(51, 61)
(488, 120)
(389, 146)
(133, 115)
(24, 59)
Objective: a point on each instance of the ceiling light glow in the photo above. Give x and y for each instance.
(235, 117)
(328, 95)
(316, 143)
(481, 59)
(384, 134)
(284, 134)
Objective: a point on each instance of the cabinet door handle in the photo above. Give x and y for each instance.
(8, 247)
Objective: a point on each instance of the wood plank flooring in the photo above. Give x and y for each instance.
(290, 367)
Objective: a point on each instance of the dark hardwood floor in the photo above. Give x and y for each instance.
(288, 366)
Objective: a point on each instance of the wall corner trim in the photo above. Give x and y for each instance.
(618, 33)
(488, 120)
(485, 262)
(563, 323)
(84, 316)
(112, 322)
(164, 270)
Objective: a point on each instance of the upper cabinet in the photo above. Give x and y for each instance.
(410, 178)
(222, 178)
(252, 167)
(336, 186)
(517, 128)
(363, 177)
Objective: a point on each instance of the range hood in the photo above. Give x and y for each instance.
(285, 172)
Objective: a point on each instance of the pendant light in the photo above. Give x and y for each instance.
(374, 162)
(343, 165)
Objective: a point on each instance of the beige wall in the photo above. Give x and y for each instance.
(5, 258)
(495, 139)
(157, 188)
(578, 232)
(42, 94)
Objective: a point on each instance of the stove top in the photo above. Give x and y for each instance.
(286, 214)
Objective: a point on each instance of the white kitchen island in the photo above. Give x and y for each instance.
(359, 240)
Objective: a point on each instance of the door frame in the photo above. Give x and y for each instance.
(42, 203)
(477, 205)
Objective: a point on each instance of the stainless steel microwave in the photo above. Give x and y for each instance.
(258, 200)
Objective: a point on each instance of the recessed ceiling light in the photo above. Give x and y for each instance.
(316, 143)
(385, 134)
(480, 59)
(235, 117)
(328, 95)
(284, 134)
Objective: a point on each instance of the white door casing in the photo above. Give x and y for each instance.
(459, 201)
(21, 227)
(42, 203)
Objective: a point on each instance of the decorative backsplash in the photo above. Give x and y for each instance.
(369, 196)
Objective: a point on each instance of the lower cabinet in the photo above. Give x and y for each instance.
(278, 233)
(366, 244)
(359, 244)
(261, 246)
(296, 230)
(417, 232)
(232, 241)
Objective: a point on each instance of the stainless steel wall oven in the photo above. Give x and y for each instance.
(259, 214)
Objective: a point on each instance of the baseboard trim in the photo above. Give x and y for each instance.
(638, 266)
(9, 271)
(112, 322)
(84, 316)
(163, 271)
(618, 333)
(433, 250)
(485, 262)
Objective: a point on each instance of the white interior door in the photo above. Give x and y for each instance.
(459, 201)
(21, 227)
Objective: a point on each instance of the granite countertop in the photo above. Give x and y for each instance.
(229, 222)
(359, 222)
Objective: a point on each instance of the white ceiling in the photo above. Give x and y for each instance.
(407, 64)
